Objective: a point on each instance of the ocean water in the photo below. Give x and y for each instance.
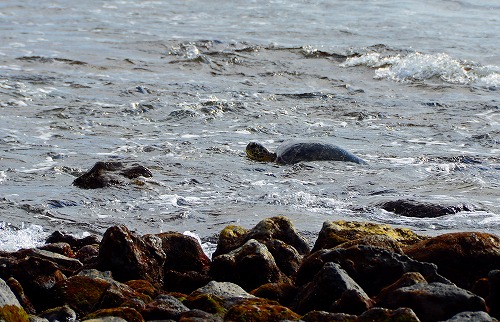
(181, 87)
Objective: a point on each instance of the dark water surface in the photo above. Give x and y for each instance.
(182, 86)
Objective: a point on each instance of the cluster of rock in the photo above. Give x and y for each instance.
(355, 272)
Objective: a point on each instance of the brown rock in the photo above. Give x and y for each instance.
(249, 266)
(60, 248)
(18, 290)
(164, 307)
(199, 316)
(143, 287)
(256, 310)
(88, 254)
(126, 313)
(130, 257)
(323, 316)
(408, 279)
(334, 233)
(379, 241)
(461, 257)
(230, 238)
(10, 309)
(75, 243)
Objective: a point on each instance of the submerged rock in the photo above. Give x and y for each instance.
(106, 174)
(412, 208)
(461, 257)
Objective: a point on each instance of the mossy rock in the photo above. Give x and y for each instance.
(126, 313)
(230, 238)
(206, 302)
(143, 287)
(334, 233)
(254, 310)
(81, 293)
(13, 313)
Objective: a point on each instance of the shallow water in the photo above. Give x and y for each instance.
(183, 87)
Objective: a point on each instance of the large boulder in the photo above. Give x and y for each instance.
(434, 301)
(130, 257)
(493, 299)
(461, 257)
(334, 233)
(372, 268)
(327, 287)
(256, 310)
(106, 174)
(249, 266)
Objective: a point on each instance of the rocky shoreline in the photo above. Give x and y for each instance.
(354, 272)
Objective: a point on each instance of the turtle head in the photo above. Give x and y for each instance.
(258, 152)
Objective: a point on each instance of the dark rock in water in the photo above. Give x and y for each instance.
(106, 174)
(164, 307)
(335, 233)
(249, 266)
(130, 257)
(461, 257)
(75, 243)
(10, 309)
(471, 316)
(279, 292)
(493, 299)
(371, 267)
(327, 286)
(59, 248)
(435, 301)
(256, 310)
(412, 208)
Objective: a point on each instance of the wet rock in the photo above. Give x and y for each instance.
(164, 307)
(249, 266)
(286, 257)
(275, 228)
(143, 287)
(106, 174)
(126, 313)
(67, 265)
(228, 292)
(371, 267)
(130, 257)
(186, 265)
(10, 309)
(282, 293)
(412, 208)
(493, 299)
(106, 319)
(379, 241)
(62, 313)
(461, 257)
(327, 286)
(472, 316)
(256, 310)
(75, 243)
(334, 233)
(36, 275)
(434, 301)
(59, 248)
(352, 302)
(381, 314)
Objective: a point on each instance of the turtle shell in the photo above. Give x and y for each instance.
(293, 152)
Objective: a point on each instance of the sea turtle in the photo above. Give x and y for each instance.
(293, 152)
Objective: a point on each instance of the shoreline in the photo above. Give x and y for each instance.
(355, 271)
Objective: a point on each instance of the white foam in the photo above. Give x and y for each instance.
(14, 239)
(421, 67)
(208, 248)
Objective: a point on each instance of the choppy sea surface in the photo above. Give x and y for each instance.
(181, 87)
